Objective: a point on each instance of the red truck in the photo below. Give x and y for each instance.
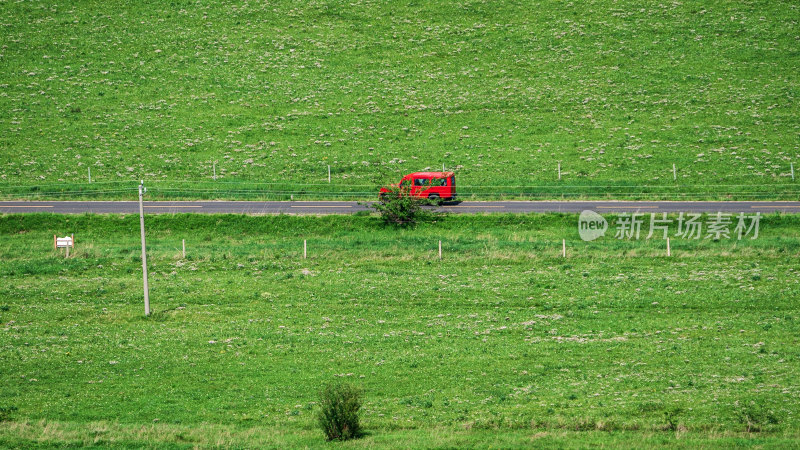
(435, 186)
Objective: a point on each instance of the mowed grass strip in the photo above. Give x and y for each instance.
(46, 434)
(501, 341)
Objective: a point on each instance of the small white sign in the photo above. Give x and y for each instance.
(64, 242)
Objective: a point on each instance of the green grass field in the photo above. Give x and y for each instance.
(498, 91)
(502, 342)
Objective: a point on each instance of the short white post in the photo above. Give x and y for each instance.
(559, 170)
(305, 254)
(90, 174)
(564, 248)
(669, 253)
(440, 249)
(67, 256)
(183, 253)
(791, 165)
(329, 173)
(442, 167)
(674, 172)
(215, 171)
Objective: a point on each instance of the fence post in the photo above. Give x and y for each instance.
(90, 174)
(791, 165)
(215, 171)
(329, 173)
(559, 170)
(184, 249)
(669, 252)
(563, 248)
(674, 172)
(440, 249)
(305, 254)
(72, 239)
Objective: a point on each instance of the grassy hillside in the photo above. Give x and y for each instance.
(502, 342)
(500, 91)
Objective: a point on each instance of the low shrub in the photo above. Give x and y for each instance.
(338, 417)
(671, 418)
(397, 207)
(755, 417)
(6, 413)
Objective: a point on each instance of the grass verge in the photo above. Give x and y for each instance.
(500, 341)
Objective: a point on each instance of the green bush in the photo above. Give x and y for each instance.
(397, 207)
(755, 416)
(671, 418)
(338, 417)
(6, 412)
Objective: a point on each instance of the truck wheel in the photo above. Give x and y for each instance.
(435, 199)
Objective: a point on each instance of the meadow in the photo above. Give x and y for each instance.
(501, 342)
(501, 92)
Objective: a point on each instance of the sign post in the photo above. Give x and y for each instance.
(65, 242)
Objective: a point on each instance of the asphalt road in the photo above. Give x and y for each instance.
(333, 207)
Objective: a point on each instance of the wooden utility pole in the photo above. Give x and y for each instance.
(144, 252)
